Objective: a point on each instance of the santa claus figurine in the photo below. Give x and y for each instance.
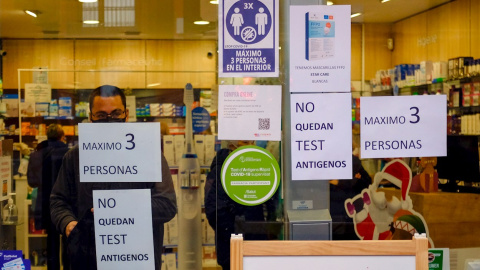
(373, 214)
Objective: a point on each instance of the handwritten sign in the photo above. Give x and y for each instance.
(123, 229)
(321, 136)
(403, 126)
(120, 152)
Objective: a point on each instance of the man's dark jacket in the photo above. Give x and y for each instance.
(43, 167)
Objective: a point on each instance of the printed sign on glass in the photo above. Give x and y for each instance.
(120, 152)
(320, 48)
(248, 38)
(249, 112)
(250, 175)
(321, 140)
(403, 126)
(123, 229)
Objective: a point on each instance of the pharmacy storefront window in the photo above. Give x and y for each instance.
(140, 140)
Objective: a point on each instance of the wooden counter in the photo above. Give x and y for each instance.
(453, 219)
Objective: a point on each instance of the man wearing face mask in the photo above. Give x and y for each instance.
(71, 201)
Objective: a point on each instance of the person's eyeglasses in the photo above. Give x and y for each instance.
(115, 116)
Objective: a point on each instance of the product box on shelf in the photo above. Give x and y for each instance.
(426, 72)
(171, 261)
(42, 129)
(53, 108)
(155, 109)
(167, 109)
(25, 129)
(455, 97)
(203, 180)
(41, 108)
(169, 149)
(11, 102)
(179, 141)
(65, 102)
(176, 129)
(466, 94)
(27, 108)
(209, 149)
(64, 111)
(69, 130)
(173, 231)
(474, 99)
(82, 109)
(440, 70)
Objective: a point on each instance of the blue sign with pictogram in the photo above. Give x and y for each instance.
(248, 38)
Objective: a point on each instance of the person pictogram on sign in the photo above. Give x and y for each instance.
(261, 19)
(236, 21)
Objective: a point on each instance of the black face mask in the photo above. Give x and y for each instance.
(109, 120)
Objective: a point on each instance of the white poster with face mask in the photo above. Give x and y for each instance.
(120, 152)
(320, 48)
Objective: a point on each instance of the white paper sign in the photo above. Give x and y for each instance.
(38, 92)
(321, 128)
(330, 262)
(248, 38)
(403, 126)
(123, 229)
(320, 48)
(249, 112)
(120, 152)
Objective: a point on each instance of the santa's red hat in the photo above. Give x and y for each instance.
(398, 173)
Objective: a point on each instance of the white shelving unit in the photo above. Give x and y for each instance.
(25, 240)
(33, 241)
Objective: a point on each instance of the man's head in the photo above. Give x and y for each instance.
(108, 104)
(55, 132)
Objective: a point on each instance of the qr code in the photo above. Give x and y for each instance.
(263, 123)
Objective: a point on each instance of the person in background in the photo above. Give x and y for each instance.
(71, 201)
(341, 190)
(42, 172)
(226, 216)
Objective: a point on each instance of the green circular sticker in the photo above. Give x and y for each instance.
(250, 175)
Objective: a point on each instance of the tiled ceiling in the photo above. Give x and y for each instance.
(157, 19)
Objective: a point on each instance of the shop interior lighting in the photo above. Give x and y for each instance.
(355, 15)
(31, 13)
(91, 22)
(201, 22)
(215, 2)
(90, 14)
(87, 1)
(384, 1)
(329, 3)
